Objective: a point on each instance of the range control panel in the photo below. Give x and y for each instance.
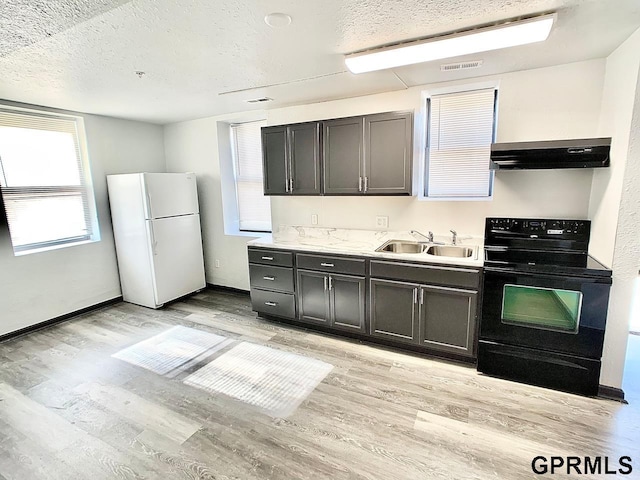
(538, 228)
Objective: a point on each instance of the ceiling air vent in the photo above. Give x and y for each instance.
(460, 66)
(260, 100)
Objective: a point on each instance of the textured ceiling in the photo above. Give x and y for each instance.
(205, 57)
(25, 22)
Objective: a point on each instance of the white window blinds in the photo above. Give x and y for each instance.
(254, 208)
(461, 130)
(44, 187)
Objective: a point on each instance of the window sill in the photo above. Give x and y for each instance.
(240, 233)
(422, 198)
(54, 247)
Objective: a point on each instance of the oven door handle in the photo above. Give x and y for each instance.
(488, 270)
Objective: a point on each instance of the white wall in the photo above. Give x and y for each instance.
(41, 286)
(548, 103)
(615, 201)
(193, 147)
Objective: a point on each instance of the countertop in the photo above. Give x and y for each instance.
(363, 243)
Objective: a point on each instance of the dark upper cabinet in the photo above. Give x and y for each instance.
(291, 159)
(370, 155)
(394, 310)
(388, 148)
(366, 155)
(275, 165)
(343, 154)
(448, 319)
(304, 158)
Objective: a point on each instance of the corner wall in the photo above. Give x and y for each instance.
(40, 286)
(615, 201)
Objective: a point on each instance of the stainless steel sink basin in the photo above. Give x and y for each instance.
(450, 251)
(401, 246)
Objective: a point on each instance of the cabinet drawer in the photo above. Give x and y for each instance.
(271, 278)
(437, 275)
(270, 257)
(273, 303)
(354, 266)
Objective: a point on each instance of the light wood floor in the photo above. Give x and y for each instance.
(70, 411)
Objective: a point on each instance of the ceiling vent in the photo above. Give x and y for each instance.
(460, 66)
(260, 100)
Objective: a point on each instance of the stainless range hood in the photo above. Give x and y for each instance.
(581, 153)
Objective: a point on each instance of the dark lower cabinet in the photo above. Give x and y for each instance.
(271, 281)
(334, 300)
(313, 300)
(431, 307)
(439, 318)
(394, 310)
(273, 303)
(346, 302)
(448, 319)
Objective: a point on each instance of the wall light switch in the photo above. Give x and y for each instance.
(382, 222)
(217, 263)
(314, 219)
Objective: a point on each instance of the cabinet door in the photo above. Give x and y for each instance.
(394, 310)
(346, 301)
(343, 156)
(388, 150)
(274, 160)
(448, 319)
(304, 153)
(313, 297)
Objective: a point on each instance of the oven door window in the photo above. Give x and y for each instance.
(545, 308)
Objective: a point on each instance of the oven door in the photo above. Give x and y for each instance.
(558, 313)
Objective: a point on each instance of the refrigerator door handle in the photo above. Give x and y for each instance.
(153, 239)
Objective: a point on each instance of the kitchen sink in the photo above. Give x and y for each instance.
(401, 246)
(450, 251)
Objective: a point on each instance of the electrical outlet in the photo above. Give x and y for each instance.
(217, 263)
(382, 222)
(314, 219)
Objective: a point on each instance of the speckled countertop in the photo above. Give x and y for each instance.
(364, 243)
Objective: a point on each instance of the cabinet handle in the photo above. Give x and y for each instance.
(359, 184)
(330, 283)
(415, 295)
(366, 184)
(291, 185)
(325, 283)
(269, 278)
(327, 264)
(271, 304)
(267, 258)
(421, 297)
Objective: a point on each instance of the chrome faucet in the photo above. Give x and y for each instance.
(454, 237)
(428, 237)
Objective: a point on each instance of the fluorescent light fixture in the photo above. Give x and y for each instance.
(521, 32)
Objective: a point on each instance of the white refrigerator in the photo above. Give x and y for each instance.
(156, 225)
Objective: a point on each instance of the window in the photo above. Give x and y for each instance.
(461, 128)
(254, 208)
(45, 180)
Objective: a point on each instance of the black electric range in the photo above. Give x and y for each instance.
(545, 304)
